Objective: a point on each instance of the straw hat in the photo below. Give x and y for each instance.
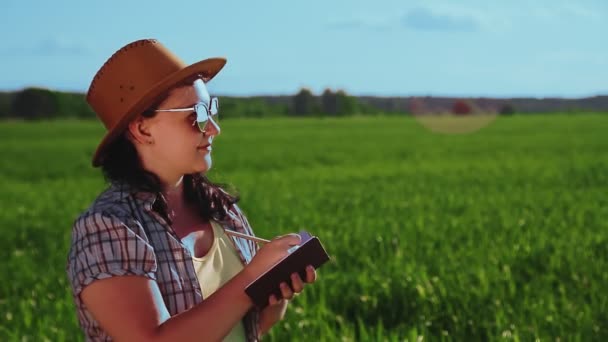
(133, 79)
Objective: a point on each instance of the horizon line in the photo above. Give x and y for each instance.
(362, 94)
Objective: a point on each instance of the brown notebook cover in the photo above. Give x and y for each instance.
(310, 252)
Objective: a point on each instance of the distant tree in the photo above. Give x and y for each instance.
(507, 109)
(461, 107)
(5, 104)
(35, 103)
(329, 102)
(347, 105)
(233, 107)
(73, 105)
(304, 103)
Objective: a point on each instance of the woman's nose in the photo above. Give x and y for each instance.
(212, 128)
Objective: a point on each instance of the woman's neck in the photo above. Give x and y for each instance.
(173, 193)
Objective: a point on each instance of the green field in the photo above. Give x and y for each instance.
(499, 234)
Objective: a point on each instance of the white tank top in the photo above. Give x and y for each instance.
(217, 267)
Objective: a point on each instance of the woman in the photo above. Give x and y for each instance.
(151, 259)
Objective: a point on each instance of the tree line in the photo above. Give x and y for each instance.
(40, 103)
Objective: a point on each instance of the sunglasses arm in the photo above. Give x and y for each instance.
(176, 110)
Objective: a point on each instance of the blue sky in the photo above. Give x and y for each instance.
(387, 48)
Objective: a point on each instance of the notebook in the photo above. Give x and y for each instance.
(310, 251)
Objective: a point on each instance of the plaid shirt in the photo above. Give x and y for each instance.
(120, 234)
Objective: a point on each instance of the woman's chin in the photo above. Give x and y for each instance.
(203, 165)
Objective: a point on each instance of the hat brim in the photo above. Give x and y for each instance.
(208, 68)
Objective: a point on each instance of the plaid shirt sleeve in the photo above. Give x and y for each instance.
(103, 246)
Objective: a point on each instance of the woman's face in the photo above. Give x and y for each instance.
(178, 144)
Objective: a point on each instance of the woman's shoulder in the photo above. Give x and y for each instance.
(108, 222)
(112, 203)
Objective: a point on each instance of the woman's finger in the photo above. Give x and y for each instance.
(286, 291)
(288, 239)
(311, 274)
(273, 300)
(296, 283)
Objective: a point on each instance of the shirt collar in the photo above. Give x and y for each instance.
(143, 197)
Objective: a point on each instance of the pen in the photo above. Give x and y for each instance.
(245, 236)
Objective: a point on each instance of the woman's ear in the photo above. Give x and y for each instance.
(139, 131)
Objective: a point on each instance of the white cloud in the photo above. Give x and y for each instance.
(423, 19)
(420, 19)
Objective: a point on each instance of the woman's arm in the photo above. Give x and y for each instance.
(130, 308)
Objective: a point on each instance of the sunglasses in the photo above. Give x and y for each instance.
(203, 111)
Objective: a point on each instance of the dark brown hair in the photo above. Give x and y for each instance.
(121, 164)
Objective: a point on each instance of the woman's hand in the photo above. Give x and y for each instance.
(297, 285)
(270, 254)
(275, 311)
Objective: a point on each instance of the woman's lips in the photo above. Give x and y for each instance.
(204, 148)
